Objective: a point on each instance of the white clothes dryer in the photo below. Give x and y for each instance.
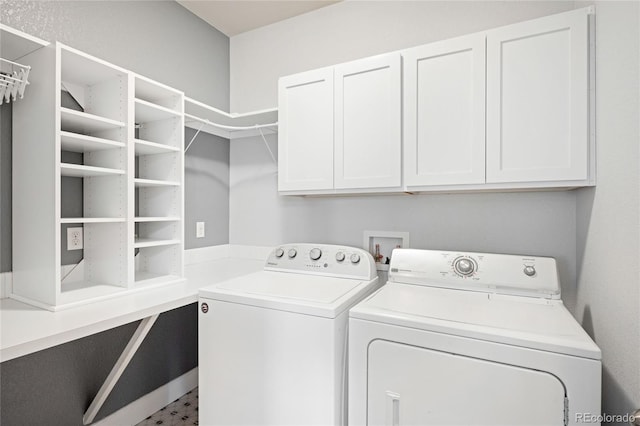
(470, 339)
(272, 344)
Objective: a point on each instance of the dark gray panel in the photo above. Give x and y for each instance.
(206, 189)
(169, 350)
(5, 187)
(55, 386)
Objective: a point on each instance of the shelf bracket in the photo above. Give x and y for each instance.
(116, 372)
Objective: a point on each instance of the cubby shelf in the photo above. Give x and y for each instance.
(147, 111)
(76, 142)
(79, 170)
(157, 219)
(143, 147)
(152, 242)
(92, 220)
(148, 279)
(83, 122)
(154, 183)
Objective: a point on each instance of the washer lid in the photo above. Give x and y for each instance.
(530, 322)
(305, 294)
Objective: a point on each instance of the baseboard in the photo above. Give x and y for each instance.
(143, 407)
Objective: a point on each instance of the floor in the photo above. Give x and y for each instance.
(182, 411)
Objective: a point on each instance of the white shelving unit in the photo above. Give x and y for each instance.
(158, 182)
(199, 116)
(132, 195)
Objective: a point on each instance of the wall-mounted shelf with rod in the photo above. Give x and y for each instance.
(199, 116)
(14, 75)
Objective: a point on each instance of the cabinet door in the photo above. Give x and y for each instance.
(537, 100)
(444, 95)
(368, 114)
(305, 131)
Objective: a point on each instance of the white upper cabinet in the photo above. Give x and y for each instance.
(537, 100)
(368, 136)
(444, 112)
(305, 131)
(503, 109)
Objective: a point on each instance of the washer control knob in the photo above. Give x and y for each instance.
(355, 258)
(340, 256)
(279, 252)
(464, 266)
(292, 253)
(529, 270)
(315, 253)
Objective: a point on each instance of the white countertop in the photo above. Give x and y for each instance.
(25, 329)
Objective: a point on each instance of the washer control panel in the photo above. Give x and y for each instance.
(322, 259)
(494, 273)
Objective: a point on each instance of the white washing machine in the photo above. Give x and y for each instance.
(272, 344)
(470, 339)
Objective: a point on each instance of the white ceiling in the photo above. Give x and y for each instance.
(235, 17)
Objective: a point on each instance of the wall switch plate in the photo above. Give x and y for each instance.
(75, 239)
(199, 229)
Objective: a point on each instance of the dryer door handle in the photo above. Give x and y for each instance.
(392, 409)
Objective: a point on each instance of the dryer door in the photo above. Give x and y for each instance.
(408, 385)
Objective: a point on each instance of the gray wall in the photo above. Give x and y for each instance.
(608, 216)
(594, 233)
(157, 39)
(206, 189)
(163, 41)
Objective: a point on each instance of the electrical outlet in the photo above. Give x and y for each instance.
(199, 229)
(74, 239)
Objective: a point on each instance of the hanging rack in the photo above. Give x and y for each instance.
(13, 80)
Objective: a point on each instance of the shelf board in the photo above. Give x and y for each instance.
(76, 142)
(152, 182)
(83, 122)
(78, 170)
(154, 92)
(148, 279)
(157, 219)
(143, 147)
(92, 219)
(152, 242)
(82, 291)
(85, 70)
(147, 112)
(15, 44)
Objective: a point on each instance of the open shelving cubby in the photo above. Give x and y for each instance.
(78, 160)
(93, 137)
(158, 182)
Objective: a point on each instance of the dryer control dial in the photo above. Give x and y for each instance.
(315, 253)
(340, 256)
(529, 270)
(279, 252)
(355, 258)
(464, 266)
(292, 253)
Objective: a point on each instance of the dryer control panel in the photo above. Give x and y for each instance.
(322, 259)
(493, 273)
